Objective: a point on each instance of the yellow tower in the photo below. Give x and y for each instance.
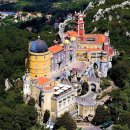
(39, 59)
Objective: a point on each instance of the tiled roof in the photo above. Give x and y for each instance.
(47, 88)
(72, 33)
(55, 48)
(99, 38)
(42, 80)
(93, 49)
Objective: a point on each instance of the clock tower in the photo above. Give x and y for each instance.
(80, 25)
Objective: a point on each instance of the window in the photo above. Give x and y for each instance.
(55, 60)
(90, 39)
(43, 57)
(60, 105)
(60, 101)
(59, 58)
(68, 97)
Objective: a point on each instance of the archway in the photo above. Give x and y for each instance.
(93, 87)
(95, 65)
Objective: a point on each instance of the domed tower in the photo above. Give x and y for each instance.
(26, 84)
(39, 59)
(104, 64)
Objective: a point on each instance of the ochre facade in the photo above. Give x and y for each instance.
(39, 64)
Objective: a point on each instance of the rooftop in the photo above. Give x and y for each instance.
(47, 88)
(42, 80)
(61, 90)
(72, 33)
(38, 46)
(95, 38)
(55, 48)
(87, 100)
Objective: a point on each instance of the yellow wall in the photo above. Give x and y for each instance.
(85, 111)
(39, 64)
(81, 53)
(53, 104)
(91, 45)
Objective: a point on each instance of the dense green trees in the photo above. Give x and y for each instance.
(25, 116)
(120, 127)
(47, 6)
(124, 118)
(85, 88)
(102, 115)
(13, 51)
(46, 116)
(105, 83)
(14, 114)
(65, 121)
(118, 73)
(31, 102)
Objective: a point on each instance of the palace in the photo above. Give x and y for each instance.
(55, 74)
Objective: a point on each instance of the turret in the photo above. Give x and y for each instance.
(26, 84)
(106, 45)
(104, 64)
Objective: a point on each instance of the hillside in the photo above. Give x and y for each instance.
(47, 6)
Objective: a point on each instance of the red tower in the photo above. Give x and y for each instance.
(80, 25)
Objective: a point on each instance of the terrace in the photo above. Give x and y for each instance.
(62, 90)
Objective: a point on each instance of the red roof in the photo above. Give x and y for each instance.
(55, 48)
(72, 33)
(42, 80)
(99, 38)
(47, 88)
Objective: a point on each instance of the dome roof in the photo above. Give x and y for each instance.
(38, 46)
(73, 39)
(66, 41)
